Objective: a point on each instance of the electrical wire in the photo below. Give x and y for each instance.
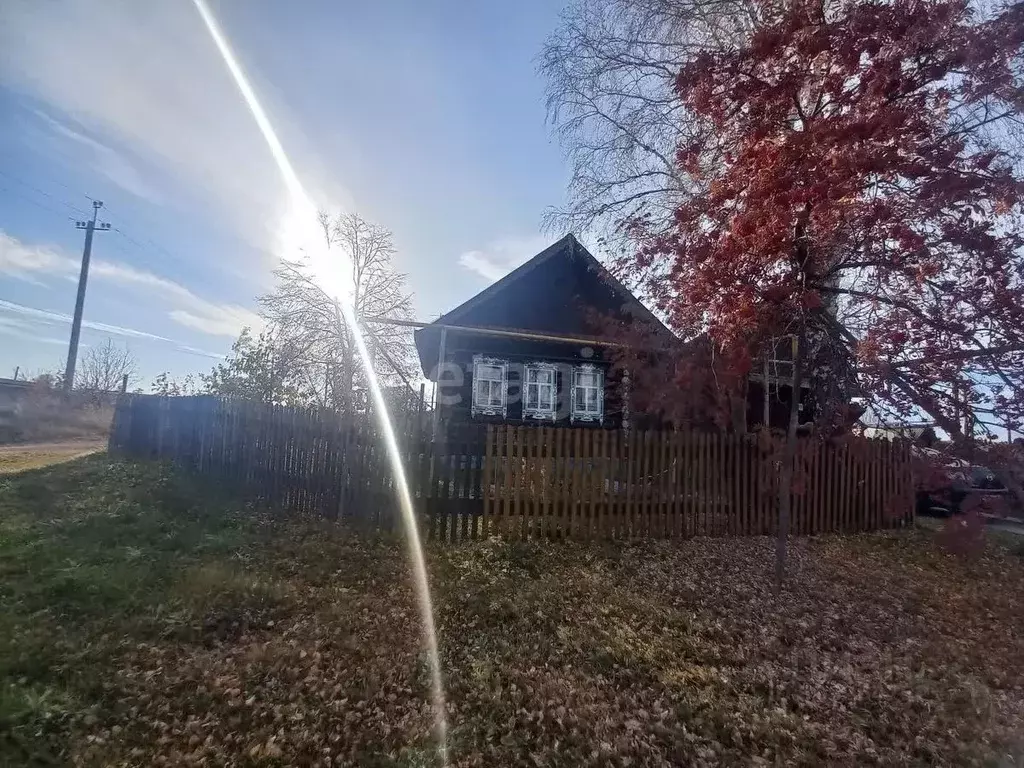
(36, 203)
(34, 188)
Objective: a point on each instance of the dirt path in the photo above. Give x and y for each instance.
(18, 457)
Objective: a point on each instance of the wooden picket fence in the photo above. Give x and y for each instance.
(311, 462)
(558, 483)
(532, 482)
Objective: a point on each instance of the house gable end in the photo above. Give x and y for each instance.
(561, 291)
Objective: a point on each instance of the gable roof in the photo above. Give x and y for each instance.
(516, 284)
(567, 247)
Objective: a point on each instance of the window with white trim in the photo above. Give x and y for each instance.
(490, 391)
(587, 393)
(539, 391)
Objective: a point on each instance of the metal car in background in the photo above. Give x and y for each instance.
(954, 481)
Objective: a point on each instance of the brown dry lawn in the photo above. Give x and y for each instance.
(19, 457)
(148, 620)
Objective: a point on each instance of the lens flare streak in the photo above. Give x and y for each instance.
(342, 293)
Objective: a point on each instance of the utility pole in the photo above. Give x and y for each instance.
(83, 278)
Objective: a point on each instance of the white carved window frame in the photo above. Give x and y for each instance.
(537, 412)
(489, 408)
(585, 414)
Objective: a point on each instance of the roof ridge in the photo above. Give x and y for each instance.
(525, 268)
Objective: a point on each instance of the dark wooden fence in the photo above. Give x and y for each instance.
(545, 482)
(537, 482)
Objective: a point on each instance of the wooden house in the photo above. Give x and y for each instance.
(529, 350)
(524, 350)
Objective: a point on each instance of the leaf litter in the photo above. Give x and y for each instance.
(296, 642)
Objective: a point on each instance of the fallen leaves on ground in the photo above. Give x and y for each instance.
(287, 643)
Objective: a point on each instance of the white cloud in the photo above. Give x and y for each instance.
(107, 161)
(500, 257)
(23, 321)
(46, 316)
(13, 326)
(23, 261)
(146, 78)
(201, 352)
(217, 320)
(190, 310)
(29, 262)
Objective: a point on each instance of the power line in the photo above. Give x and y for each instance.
(152, 245)
(36, 203)
(53, 180)
(146, 243)
(131, 239)
(44, 193)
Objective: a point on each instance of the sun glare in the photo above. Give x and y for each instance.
(328, 266)
(302, 241)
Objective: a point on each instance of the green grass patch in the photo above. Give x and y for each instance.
(148, 617)
(98, 553)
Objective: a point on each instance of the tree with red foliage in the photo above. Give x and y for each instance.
(852, 179)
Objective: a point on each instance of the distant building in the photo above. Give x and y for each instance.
(901, 431)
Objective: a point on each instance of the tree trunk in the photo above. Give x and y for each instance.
(766, 422)
(738, 410)
(788, 461)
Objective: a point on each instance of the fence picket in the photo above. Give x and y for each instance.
(740, 472)
(558, 464)
(699, 490)
(487, 480)
(515, 479)
(683, 491)
(536, 489)
(459, 477)
(849, 486)
(824, 482)
(551, 484)
(732, 483)
(603, 513)
(540, 481)
(505, 435)
(664, 484)
(653, 478)
(596, 481)
(614, 483)
(643, 467)
(586, 482)
(799, 521)
(859, 508)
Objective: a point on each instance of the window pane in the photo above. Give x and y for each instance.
(481, 392)
(591, 399)
(585, 379)
(539, 375)
(495, 392)
(531, 395)
(544, 396)
(492, 372)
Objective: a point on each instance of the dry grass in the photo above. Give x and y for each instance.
(45, 416)
(149, 621)
(18, 458)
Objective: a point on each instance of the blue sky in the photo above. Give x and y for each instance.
(427, 117)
